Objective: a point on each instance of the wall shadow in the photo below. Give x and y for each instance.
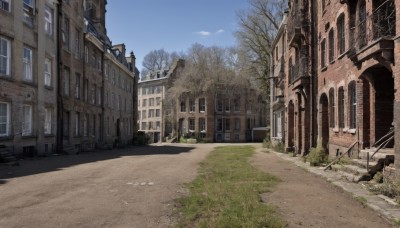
(57, 162)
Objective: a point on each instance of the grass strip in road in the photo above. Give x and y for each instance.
(226, 193)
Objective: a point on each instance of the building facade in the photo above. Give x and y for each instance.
(55, 101)
(341, 88)
(154, 115)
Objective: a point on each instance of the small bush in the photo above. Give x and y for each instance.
(267, 143)
(279, 147)
(388, 188)
(317, 156)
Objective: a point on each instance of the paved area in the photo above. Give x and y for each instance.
(136, 187)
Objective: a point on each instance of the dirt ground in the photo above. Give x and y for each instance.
(136, 187)
(306, 200)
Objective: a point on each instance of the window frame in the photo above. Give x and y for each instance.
(4, 3)
(48, 20)
(352, 105)
(332, 121)
(341, 34)
(341, 107)
(48, 116)
(6, 57)
(7, 118)
(27, 120)
(323, 53)
(27, 61)
(331, 46)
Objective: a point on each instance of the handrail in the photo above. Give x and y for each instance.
(383, 145)
(336, 159)
(391, 131)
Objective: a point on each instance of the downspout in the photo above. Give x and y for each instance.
(60, 117)
(314, 74)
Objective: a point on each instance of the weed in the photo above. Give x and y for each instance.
(361, 199)
(226, 193)
(317, 156)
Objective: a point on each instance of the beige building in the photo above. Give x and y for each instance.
(153, 115)
(52, 79)
(28, 81)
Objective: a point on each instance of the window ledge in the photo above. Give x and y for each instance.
(49, 135)
(345, 129)
(6, 137)
(335, 130)
(352, 131)
(28, 137)
(48, 87)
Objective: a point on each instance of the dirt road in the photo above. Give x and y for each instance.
(136, 188)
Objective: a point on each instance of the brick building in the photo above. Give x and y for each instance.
(342, 76)
(55, 101)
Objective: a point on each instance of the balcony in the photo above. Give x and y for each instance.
(297, 24)
(373, 37)
(299, 74)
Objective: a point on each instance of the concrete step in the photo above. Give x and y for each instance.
(380, 154)
(352, 169)
(362, 163)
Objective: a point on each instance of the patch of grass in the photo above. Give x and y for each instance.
(389, 188)
(344, 161)
(277, 146)
(398, 222)
(361, 199)
(226, 193)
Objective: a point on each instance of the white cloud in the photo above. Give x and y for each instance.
(203, 33)
(220, 31)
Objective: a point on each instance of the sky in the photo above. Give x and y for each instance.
(172, 25)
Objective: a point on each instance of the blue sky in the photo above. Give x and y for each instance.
(146, 25)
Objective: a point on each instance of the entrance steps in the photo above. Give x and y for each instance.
(355, 169)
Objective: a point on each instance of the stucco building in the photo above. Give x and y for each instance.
(55, 101)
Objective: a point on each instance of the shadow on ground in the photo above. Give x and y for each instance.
(58, 162)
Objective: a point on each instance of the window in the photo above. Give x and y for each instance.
(158, 125)
(341, 107)
(144, 126)
(362, 28)
(48, 20)
(144, 116)
(5, 5)
(4, 119)
(202, 104)
(94, 88)
(352, 104)
(158, 101)
(151, 113)
(218, 126)
(48, 112)
(27, 120)
(183, 106)
(331, 46)
(47, 72)
(192, 124)
(237, 124)
(158, 113)
(151, 102)
(66, 125)
(236, 105)
(77, 43)
(65, 33)
(28, 12)
(192, 106)
(227, 124)
(150, 125)
(99, 96)
(323, 53)
(341, 39)
(202, 125)
(332, 108)
(5, 55)
(220, 106)
(27, 64)
(77, 86)
(227, 105)
(85, 124)
(106, 70)
(85, 89)
(77, 123)
(66, 82)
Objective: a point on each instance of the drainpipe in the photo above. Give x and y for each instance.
(60, 117)
(314, 72)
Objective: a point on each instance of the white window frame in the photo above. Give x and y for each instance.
(5, 120)
(5, 5)
(5, 56)
(27, 64)
(47, 72)
(48, 112)
(27, 120)
(48, 20)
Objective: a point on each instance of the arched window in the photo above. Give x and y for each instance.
(341, 107)
(331, 45)
(352, 104)
(332, 108)
(341, 39)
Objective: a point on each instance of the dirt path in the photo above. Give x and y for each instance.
(306, 200)
(124, 188)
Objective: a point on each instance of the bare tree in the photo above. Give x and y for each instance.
(156, 60)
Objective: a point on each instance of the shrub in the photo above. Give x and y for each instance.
(317, 156)
(267, 143)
